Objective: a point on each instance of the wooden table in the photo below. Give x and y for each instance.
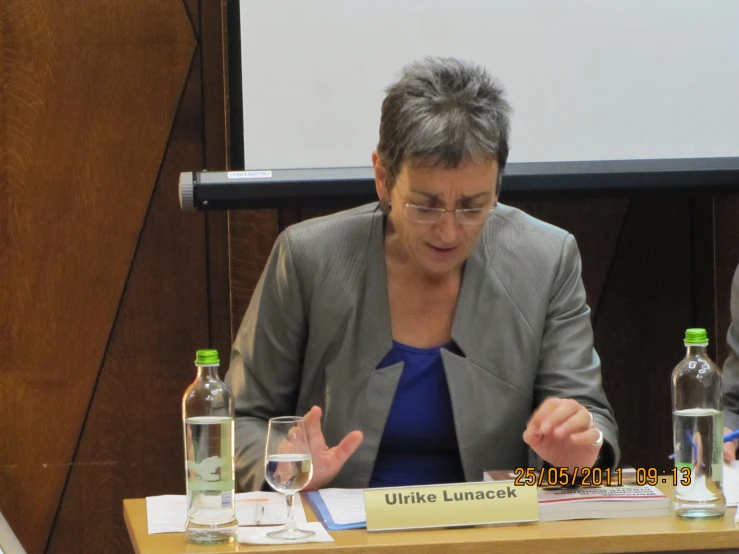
(650, 534)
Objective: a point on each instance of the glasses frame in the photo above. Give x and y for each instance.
(441, 211)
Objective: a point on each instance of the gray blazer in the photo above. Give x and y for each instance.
(318, 325)
(730, 375)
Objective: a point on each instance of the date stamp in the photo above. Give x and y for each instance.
(569, 477)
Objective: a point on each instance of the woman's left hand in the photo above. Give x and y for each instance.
(562, 432)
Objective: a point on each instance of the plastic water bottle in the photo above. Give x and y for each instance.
(697, 431)
(208, 422)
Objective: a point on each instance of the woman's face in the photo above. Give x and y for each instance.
(440, 247)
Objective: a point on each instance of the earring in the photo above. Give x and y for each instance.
(385, 206)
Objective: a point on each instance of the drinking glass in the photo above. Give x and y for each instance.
(288, 468)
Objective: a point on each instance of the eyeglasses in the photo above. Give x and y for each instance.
(465, 216)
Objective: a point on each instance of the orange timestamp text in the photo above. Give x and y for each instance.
(599, 477)
(563, 477)
(653, 476)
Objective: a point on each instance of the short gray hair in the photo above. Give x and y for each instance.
(442, 112)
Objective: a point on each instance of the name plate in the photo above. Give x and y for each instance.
(454, 505)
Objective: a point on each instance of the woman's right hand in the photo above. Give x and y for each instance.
(327, 462)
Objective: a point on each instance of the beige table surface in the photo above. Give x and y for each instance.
(650, 534)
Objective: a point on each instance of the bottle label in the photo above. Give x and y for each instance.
(210, 469)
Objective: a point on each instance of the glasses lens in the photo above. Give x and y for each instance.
(472, 217)
(420, 214)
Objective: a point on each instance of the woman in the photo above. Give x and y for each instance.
(434, 334)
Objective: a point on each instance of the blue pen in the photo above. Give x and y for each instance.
(730, 437)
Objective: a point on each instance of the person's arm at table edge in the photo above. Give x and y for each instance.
(266, 361)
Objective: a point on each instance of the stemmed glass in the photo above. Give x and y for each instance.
(288, 468)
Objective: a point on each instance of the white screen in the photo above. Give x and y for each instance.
(588, 79)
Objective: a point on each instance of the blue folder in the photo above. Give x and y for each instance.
(319, 508)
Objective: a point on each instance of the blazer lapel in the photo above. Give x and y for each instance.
(366, 401)
(366, 407)
(377, 333)
(489, 436)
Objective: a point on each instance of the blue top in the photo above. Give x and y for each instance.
(419, 444)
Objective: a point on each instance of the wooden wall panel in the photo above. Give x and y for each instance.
(251, 236)
(89, 93)
(212, 44)
(132, 440)
(701, 252)
(596, 224)
(645, 309)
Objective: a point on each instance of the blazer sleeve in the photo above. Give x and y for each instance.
(731, 366)
(266, 361)
(569, 366)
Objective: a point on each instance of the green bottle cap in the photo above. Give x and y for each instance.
(696, 336)
(207, 357)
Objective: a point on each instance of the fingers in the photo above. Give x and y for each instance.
(313, 418)
(561, 417)
(296, 435)
(541, 414)
(327, 462)
(578, 422)
(729, 452)
(562, 432)
(587, 438)
(341, 451)
(348, 446)
(532, 437)
(313, 427)
(285, 447)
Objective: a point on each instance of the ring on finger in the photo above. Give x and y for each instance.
(599, 442)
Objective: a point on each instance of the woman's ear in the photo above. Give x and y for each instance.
(383, 193)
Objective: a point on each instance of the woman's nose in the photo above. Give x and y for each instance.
(447, 227)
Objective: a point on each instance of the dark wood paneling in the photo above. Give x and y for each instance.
(215, 158)
(251, 237)
(289, 216)
(89, 93)
(726, 217)
(219, 293)
(132, 440)
(596, 225)
(646, 306)
(192, 7)
(116, 22)
(702, 262)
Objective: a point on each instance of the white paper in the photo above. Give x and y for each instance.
(249, 508)
(257, 535)
(731, 483)
(168, 513)
(345, 505)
